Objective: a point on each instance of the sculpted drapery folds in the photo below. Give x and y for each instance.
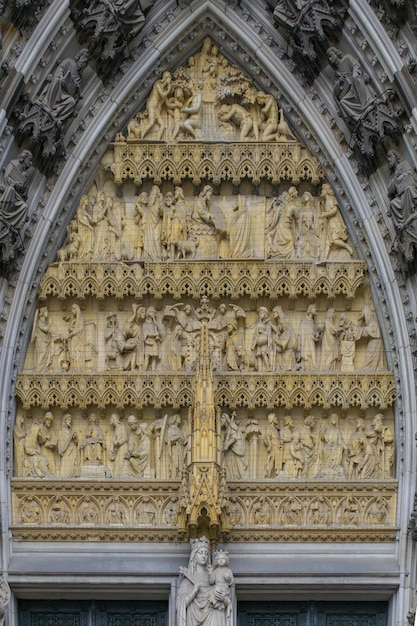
(13, 203)
(61, 94)
(201, 322)
(402, 192)
(204, 593)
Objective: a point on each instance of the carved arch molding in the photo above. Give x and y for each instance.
(205, 355)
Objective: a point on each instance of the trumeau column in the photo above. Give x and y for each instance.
(350, 190)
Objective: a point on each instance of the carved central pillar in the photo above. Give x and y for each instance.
(203, 500)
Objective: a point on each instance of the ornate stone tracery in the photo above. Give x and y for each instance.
(187, 304)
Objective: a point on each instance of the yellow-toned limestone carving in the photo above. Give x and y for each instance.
(205, 358)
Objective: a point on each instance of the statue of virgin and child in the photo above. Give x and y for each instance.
(204, 596)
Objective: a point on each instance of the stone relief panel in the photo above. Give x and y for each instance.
(275, 446)
(165, 338)
(205, 352)
(173, 226)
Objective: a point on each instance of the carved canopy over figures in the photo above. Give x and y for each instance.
(206, 324)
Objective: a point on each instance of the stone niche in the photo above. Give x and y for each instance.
(207, 271)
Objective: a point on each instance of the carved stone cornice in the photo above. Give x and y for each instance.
(124, 389)
(278, 161)
(50, 510)
(231, 279)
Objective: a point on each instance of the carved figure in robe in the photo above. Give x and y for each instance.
(269, 116)
(59, 512)
(85, 229)
(261, 512)
(351, 89)
(308, 246)
(368, 327)
(282, 225)
(190, 326)
(402, 192)
(121, 350)
(30, 511)
(242, 118)
(287, 434)
(139, 449)
(170, 513)
(330, 348)
(234, 448)
(19, 434)
(155, 103)
(43, 339)
(285, 342)
(206, 224)
(35, 463)
(335, 234)
(133, 334)
(61, 94)
(76, 340)
(308, 445)
(293, 454)
(88, 512)
(332, 451)
(118, 448)
(291, 512)
(262, 342)
(273, 445)
(198, 601)
(222, 578)
(379, 454)
(378, 511)
(235, 512)
(146, 513)
(68, 449)
(348, 336)
(211, 68)
(350, 513)
(233, 348)
(115, 513)
(152, 338)
(201, 210)
(130, 14)
(101, 250)
(308, 335)
(13, 202)
(320, 512)
(93, 444)
(240, 231)
(356, 449)
(152, 226)
(173, 225)
(177, 443)
(117, 245)
(48, 442)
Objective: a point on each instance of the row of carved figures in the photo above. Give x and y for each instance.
(276, 450)
(171, 227)
(169, 340)
(263, 510)
(208, 99)
(303, 451)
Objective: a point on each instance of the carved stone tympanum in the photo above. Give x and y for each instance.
(205, 358)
